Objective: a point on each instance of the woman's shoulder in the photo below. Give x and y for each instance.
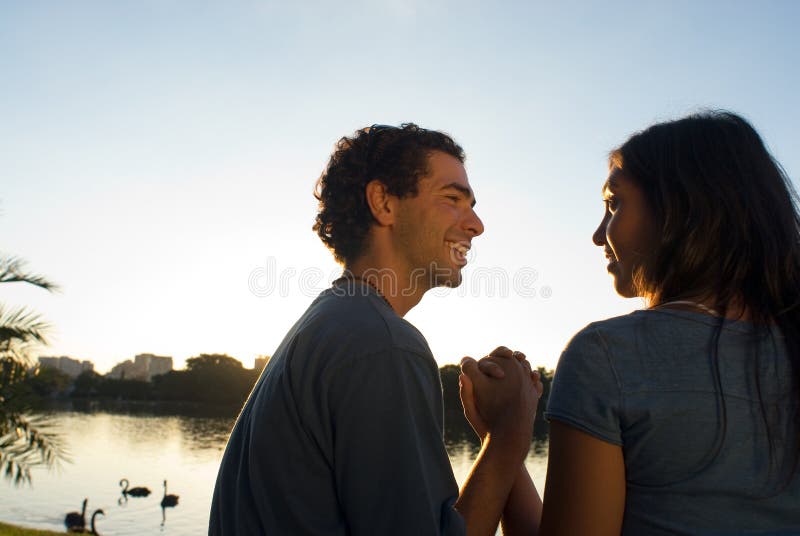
(654, 331)
(653, 322)
(622, 326)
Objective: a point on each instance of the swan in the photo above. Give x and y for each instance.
(93, 530)
(133, 492)
(76, 520)
(168, 500)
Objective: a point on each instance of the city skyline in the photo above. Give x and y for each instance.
(74, 366)
(143, 366)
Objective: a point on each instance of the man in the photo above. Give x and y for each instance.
(342, 434)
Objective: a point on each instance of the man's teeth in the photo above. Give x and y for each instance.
(460, 248)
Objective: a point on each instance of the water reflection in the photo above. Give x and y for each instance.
(144, 408)
(210, 433)
(198, 427)
(149, 443)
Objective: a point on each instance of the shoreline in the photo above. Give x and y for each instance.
(7, 529)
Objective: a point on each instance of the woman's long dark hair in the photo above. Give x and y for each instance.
(728, 229)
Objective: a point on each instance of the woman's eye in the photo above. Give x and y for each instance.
(611, 203)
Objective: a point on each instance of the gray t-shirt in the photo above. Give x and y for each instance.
(342, 434)
(645, 381)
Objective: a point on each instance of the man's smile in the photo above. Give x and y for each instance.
(458, 251)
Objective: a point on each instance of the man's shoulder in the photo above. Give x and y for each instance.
(344, 340)
(360, 324)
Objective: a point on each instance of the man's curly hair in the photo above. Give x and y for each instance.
(397, 156)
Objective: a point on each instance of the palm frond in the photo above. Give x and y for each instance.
(22, 325)
(27, 442)
(22, 353)
(12, 370)
(12, 270)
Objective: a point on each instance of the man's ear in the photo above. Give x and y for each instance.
(380, 202)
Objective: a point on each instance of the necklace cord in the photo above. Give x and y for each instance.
(700, 306)
(354, 278)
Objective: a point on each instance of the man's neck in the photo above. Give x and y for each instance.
(394, 284)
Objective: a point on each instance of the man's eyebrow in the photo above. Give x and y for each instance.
(462, 189)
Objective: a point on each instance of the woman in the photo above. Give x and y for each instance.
(681, 418)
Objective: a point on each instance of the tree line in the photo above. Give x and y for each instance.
(208, 378)
(219, 379)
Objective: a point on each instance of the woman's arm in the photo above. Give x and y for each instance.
(584, 492)
(585, 487)
(523, 510)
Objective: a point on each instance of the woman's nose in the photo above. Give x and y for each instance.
(599, 236)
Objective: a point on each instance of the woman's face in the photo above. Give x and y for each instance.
(626, 231)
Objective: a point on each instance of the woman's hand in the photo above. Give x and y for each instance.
(500, 393)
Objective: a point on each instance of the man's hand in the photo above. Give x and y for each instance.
(492, 369)
(500, 394)
(467, 393)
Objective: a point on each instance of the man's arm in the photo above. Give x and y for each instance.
(485, 492)
(509, 406)
(523, 508)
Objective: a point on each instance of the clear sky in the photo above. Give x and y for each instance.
(157, 158)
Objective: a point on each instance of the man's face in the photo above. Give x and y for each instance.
(436, 227)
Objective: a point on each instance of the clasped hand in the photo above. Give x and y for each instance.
(500, 394)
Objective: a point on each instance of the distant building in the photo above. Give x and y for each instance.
(143, 367)
(127, 370)
(67, 365)
(154, 364)
(261, 362)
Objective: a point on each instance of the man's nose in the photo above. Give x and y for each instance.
(473, 223)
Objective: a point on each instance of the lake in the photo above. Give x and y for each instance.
(148, 443)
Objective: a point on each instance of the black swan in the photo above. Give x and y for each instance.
(93, 529)
(76, 520)
(133, 492)
(168, 500)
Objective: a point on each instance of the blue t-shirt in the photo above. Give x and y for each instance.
(646, 381)
(342, 434)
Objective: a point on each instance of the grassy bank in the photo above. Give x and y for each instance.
(11, 530)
